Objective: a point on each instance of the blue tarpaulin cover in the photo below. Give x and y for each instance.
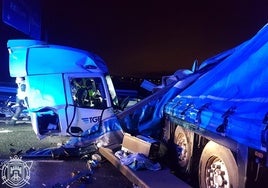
(231, 99)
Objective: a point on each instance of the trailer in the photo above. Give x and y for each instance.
(218, 124)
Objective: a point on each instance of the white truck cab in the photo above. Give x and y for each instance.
(68, 90)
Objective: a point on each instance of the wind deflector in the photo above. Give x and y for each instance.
(27, 56)
(18, 55)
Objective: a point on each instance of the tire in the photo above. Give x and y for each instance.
(183, 140)
(217, 167)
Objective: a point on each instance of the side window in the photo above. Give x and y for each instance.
(88, 92)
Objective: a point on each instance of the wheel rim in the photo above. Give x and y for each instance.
(182, 151)
(217, 174)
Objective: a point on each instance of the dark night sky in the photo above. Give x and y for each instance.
(142, 36)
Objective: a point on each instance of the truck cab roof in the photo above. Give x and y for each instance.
(37, 57)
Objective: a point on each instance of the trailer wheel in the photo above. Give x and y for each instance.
(183, 141)
(217, 167)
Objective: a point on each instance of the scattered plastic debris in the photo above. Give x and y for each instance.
(82, 177)
(76, 177)
(137, 161)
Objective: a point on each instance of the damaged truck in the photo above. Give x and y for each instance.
(212, 119)
(68, 90)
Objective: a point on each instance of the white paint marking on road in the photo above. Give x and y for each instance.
(6, 131)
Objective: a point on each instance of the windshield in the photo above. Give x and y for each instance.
(88, 92)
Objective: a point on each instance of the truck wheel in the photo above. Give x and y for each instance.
(217, 167)
(183, 141)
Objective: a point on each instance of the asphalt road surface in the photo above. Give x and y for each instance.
(51, 172)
